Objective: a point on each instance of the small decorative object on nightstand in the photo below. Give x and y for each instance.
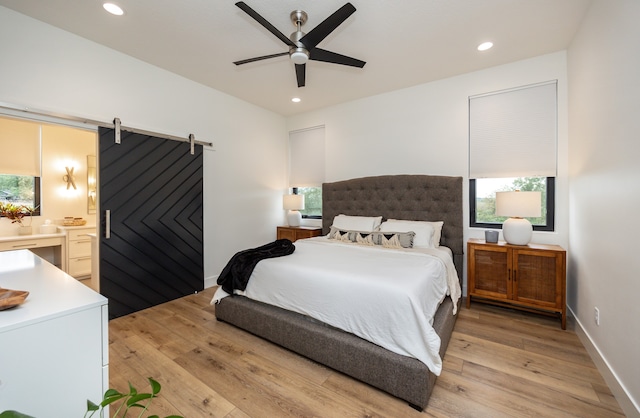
(294, 233)
(491, 236)
(530, 278)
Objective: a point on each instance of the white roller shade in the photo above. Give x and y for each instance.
(19, 147)
(513, 133)
(306, 157)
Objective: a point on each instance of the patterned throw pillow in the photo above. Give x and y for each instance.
(385, 239)
(341, 234)
(364, 238)
(395, 239)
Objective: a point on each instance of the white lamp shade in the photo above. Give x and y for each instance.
(518, 204)
(293, 201)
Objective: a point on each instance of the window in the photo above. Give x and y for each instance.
(306, 168)
(512, 146)
(482, 198)
(312, 201)
(20, 175)
(20, 190)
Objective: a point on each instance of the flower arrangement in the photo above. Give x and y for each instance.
(16, 212)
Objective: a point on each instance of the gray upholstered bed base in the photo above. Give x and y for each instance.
(413, 197)
(401, 376)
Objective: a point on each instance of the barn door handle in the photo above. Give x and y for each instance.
(107, 224)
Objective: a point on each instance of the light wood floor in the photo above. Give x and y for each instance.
(500, 363)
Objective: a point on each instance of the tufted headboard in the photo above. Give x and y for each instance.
(410, 197)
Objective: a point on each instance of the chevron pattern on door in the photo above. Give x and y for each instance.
(152, 188)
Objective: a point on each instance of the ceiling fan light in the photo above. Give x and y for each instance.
(299, 56)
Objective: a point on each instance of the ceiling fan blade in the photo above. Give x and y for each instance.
(264, 57)
(248, 10)
(317, 34)
(300, 74)
(318, 54)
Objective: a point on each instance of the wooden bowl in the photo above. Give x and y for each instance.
(12, 298)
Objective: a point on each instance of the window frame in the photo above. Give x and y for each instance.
(549, 226)
(36, 196)
(294, 190)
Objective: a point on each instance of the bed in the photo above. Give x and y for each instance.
(408, 197)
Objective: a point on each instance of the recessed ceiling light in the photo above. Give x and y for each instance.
(114, 9)
(484, 46)
(296, 100)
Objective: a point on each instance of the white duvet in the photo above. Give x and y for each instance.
(386, 296)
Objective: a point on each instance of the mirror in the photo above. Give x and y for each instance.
(92, 182)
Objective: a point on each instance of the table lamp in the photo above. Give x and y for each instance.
(518, 205)
(293, 203)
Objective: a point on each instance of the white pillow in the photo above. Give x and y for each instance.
(357, 223)
(437, 229)
(423, 230)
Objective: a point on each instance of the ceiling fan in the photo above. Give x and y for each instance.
(302, 47)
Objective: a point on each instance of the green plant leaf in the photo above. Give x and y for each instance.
(91, 406)
(139, 397)
(131, 400)
(111, 399)
(155, 386)
(111, 392)
(132, 390)
(13, 414)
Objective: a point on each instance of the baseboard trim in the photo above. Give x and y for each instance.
(210, 281)
(619, 391)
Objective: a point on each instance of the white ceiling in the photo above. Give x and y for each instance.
(404, 43)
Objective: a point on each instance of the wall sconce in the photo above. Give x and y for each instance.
(69, 179)
(92, 184)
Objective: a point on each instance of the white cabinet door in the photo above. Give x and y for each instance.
(52, 367)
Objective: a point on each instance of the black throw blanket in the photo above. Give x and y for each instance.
(236, 273)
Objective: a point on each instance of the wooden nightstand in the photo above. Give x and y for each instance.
(294, 233)
(526, 277)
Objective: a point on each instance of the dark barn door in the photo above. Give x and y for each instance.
(151, 221)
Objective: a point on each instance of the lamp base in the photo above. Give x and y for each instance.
(294, 218)
(517, 231)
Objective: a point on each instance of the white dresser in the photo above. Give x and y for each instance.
(78, 250)
(54, 349)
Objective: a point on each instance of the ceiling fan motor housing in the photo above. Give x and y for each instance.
(298, 54)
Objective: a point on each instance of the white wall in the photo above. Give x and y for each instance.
(604, 71)
(48, 69)
(424, 130)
